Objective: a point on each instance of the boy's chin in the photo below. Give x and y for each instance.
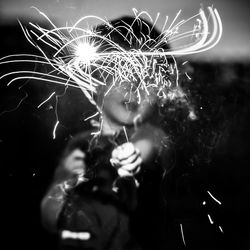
(131, 120)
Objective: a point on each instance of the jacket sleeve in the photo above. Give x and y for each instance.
(56, 196)
(54, 200)
(51, 206)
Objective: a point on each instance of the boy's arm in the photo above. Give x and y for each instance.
(148, 145)
(52, 205)
(67, 176)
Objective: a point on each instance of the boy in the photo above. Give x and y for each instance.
(108, 186)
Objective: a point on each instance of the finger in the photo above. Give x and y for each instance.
(115, 163)
(75, 166)
(115, 153)
(132, 167)
(78, 170)
(76, 156)
(125, 150)
(130, 159)
(123, 173)
(137, 170)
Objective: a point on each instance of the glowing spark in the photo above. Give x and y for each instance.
(189, 78)
(54, 130)
(221, 229)
(182, 235)
(125, 132)
(46, 100)
(214, 198)
(203, 203)
(92, 116)
(17, 106)
(210, 219)
(96, 133)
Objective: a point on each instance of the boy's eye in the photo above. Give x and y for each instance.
(131, 106)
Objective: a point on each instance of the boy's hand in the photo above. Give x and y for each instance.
(74, 162)
(127, 159)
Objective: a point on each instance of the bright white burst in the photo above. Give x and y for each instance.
(85, 53)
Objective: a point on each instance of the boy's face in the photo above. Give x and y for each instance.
(122, 105)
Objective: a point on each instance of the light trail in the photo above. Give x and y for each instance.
(54, 130)
(46, 100)
(83, 58)
(210, 219)
(216, 200)
(182, 235)
(77, 55)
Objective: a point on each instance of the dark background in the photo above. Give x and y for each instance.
(211, 153)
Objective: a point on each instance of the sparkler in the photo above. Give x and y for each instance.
(80, 54)
(77, 55)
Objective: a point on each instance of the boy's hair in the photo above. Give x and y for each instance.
(127, 31)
